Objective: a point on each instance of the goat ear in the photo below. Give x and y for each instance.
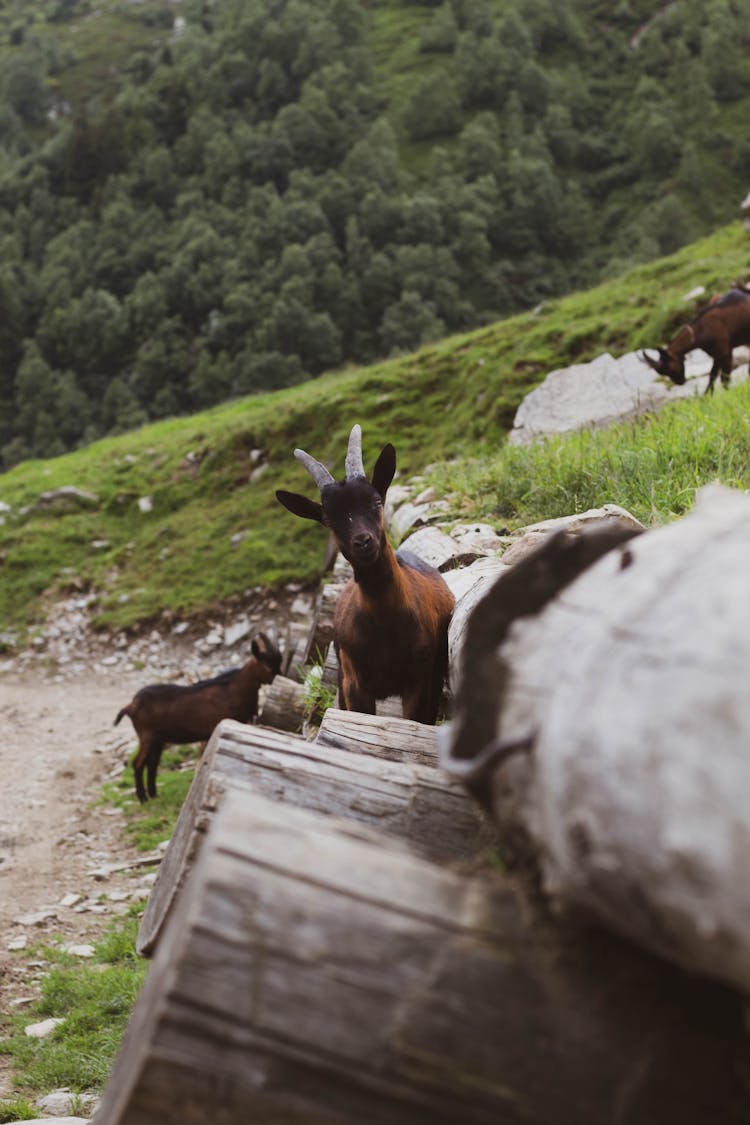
(300, 505)
(385, 468)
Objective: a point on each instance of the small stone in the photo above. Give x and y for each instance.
(61, 1102)
(43, 1029)
(18, 943)
(70, 899)
(118, 896)
(38, 918)
(145, 504)
(236, 632)
(79, 950)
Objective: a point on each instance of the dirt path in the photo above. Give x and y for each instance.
(57, 747)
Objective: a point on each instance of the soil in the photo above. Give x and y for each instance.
(58, 745)
(57, 748)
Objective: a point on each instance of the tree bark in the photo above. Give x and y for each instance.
(413, 802)
(317, 974)
(395, 739)
(283, 705)
(630, 687)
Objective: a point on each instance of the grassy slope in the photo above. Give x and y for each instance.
(438, 404)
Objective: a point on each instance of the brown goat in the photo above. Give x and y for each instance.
(177, 713)
(717, 329)
(391, 622)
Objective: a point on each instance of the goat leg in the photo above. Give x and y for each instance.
(139, 762)
(152, 765)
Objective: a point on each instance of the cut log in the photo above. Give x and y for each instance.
(318, 974)
(321, 633)
(331, 668)
(284, 706)
(632, 684)
(416, 803)
(395, 739)
(433, 546)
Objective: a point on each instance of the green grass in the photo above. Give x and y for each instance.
(148, 825)
(652, 466)
(95, 1000)
(444, 402)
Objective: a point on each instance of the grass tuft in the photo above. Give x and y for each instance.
(148, 825)
(95, 1000)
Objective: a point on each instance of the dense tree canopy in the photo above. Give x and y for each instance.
(257, 200)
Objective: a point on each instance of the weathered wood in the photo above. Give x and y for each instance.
(632, 683)
(284, 705)
(468, 586)
(395, 739)
(317, 974)
(331, 668)
(416, 803)
(433, 546)
(321, 632)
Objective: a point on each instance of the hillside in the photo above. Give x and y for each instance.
(200, 200)
(215, 528)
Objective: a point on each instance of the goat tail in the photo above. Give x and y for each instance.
(125, 711)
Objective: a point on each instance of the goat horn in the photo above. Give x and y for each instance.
(318, 472)
(647, 359)
(354, 464)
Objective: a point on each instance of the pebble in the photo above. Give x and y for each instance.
(61, 1102)
(79, 950)
(38, 918)
(43, 1029)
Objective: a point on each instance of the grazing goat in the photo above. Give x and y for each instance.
(176, 713)
(717, 329)
(391, 622)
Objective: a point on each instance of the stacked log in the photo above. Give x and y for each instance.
(316, 972)
(414, 802)
(630, 686)
(397, 740)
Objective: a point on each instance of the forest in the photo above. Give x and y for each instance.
(208, 198)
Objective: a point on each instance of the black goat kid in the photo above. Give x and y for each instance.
(391, 622)
(175, 713)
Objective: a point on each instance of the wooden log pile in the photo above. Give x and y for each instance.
(314, 972)
(392, 791)
(336, 941)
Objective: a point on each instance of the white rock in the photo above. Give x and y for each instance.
(79, 950)
(37, 918)
(606, 390)
(61, 1102)
(43, 1029)
(59, 1121)
(236, 632)
(71, 899)
(145, 504)
(18, 943)
(694, 294)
